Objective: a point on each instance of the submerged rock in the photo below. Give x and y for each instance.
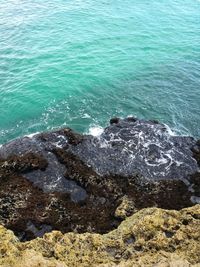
(65, 181)
(151, 237)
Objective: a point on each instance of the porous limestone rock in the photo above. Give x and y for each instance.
(151, 237)
(126, 208)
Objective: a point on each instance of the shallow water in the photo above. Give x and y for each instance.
(78, 63)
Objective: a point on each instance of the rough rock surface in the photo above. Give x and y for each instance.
(65, 181)
(151, 237)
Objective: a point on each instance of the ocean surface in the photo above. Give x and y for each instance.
(78, 63)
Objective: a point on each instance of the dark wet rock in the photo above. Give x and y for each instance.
(22, 164)
(114, 120)
(140, 147)
(70, 182)
(23, 205)
(196, 151)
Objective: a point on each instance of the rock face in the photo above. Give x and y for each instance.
(65, 181)
(151, 237)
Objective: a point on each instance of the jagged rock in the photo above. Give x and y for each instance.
(126, 208)
(66, 181)
(151, 237)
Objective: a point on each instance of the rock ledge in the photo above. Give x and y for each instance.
(150, 237)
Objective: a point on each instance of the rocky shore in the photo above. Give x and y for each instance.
(102, 189)
(150, 237)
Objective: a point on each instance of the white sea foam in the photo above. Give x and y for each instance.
(170, 131)
(86, 116)
(31, 135)
(96, 131)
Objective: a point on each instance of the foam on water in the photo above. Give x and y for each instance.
(96, 131)
(31, 135)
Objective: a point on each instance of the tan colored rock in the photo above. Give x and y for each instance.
(126, 208)
(151, 237)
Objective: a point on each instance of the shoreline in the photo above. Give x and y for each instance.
(92, 184)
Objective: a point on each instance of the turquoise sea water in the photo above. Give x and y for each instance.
(79, 63)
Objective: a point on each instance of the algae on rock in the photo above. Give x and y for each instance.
(66, 181)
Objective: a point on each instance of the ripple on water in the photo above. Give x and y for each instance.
(60, 60)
